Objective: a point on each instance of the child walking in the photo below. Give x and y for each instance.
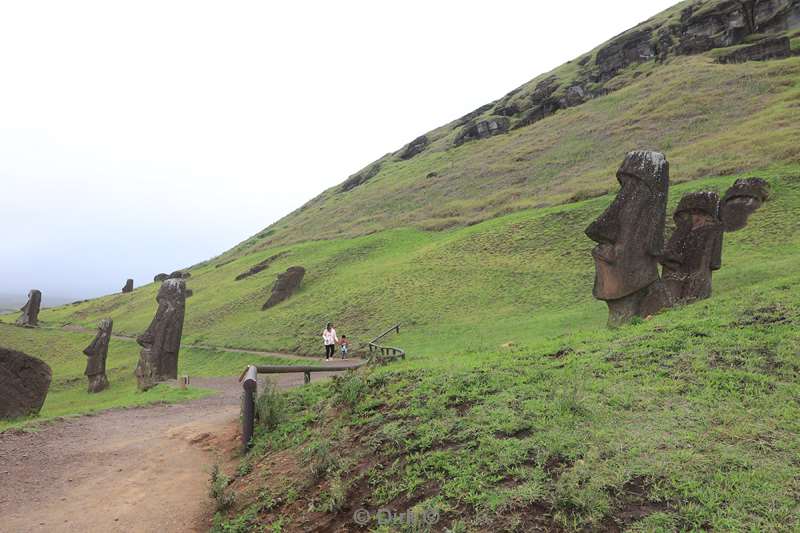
(344, 344)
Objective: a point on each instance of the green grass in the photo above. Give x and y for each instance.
(685, 422)
(67, 396)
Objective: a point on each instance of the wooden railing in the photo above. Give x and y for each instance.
(249, 378)
(385, 353)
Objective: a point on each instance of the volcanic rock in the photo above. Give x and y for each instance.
(24, 382)
(286, 284)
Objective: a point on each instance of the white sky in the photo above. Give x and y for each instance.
(141, 137)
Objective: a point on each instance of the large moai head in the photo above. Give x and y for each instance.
(30, 311)
(695, 249)
(740, 201)
(96, 354)
(161, 342)
(630, 233)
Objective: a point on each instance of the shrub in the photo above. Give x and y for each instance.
(271, 406)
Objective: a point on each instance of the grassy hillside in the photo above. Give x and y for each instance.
(685, 422)
(510, 279)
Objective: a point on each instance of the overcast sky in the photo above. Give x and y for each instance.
(141, 137)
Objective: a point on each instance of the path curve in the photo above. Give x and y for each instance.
(142, 469)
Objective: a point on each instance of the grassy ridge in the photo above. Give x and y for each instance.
(63, 351)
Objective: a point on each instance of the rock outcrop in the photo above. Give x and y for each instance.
(24, 382)
(286, 284)
(128, 286)
(773, 48)
(414, 147)
(96, 354)
(161, 342)
(179, 274)
(30, 311)
(482, 129)
(360, 178)
(160, 277)
(263, 265)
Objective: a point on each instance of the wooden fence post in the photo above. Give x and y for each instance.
(250, 389)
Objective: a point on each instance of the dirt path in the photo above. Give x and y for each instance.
(282, 355)
(142, 469)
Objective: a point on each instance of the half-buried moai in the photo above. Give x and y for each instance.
(285, 285)
(695, 249)
(96, 353)
(30, 311)
(630, 237)
(128, 286)
(161, 342)
(24, 382)
(740, 201)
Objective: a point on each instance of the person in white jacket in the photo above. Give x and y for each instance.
(330, 339)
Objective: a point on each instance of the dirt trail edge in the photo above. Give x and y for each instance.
(142, 469)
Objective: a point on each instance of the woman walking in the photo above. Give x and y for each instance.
(330, 339)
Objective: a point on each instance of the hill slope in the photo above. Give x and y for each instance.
(404, 243)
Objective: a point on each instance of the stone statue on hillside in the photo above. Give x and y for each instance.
(740, 201)
(128, 286)
(97, 352)
(285, 285)
(161, 342)
(695, 249)
(30, 311)
(24, 382)
(630, 237)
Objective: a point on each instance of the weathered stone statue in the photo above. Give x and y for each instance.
(158, 360)
(740, 201)
(30, 311)
(24, 382)
(695, 249)
(285, 286)
(128, 286)
(97, 352)
(630, 238)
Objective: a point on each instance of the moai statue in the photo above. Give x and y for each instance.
(740, 201)
(695, 249)
(158, 359)
(97, 352)
(30, 311)
(630, 237)
(285, 285)
(128, 286)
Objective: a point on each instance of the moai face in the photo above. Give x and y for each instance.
(630, 233)
(740, 201)
(695, 248)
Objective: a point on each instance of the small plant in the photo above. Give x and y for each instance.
(271, 406)
(333, 499)
(319, 455)
(218, 489)
(245, 467)
(350, 388)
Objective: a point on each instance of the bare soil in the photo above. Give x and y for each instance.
(142, 469)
